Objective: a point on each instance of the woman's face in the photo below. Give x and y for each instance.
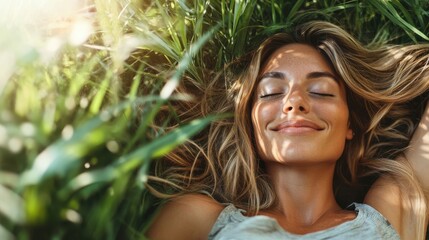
(299, 111)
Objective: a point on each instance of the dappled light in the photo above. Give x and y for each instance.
(105, 108)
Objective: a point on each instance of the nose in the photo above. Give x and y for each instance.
(296, 102)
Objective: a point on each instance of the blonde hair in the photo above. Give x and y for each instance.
(382, 84)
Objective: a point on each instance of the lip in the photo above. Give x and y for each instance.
(297, 127)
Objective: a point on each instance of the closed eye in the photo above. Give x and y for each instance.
(322, 94)
(270, 95)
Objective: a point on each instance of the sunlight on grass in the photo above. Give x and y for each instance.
(33, 29)
(88, 96)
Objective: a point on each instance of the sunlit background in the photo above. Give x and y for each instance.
(86, 89)
(33, 29)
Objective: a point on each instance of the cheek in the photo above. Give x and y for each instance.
(262, 114)
(336, 113)
(342, 114)
(338, 117)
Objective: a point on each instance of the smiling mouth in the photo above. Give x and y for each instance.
(297, 127)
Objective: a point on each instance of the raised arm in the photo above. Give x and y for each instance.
(384, 193)
(418, 152)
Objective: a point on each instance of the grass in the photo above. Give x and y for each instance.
(79, 95)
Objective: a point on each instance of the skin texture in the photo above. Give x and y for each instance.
(187, 217)
(301, 123)
(300, 113)
(300, 119)
(420, 150)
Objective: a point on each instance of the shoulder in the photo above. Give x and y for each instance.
(385, 196)
(190, 216)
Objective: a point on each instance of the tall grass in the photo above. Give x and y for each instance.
(81, 88)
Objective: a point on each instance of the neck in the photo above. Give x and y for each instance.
(304, 193)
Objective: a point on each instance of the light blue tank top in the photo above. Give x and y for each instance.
(369, 224)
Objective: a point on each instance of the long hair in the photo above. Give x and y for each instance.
(383, 87)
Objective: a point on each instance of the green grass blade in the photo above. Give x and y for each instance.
(100, 95)
(185, 63)
(13, 210)
(292, 13)
(155, 149)
(5, 234)
(65, 154)
(390, 12)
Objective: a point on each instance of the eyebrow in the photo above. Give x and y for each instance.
(322, 74)
(272, 75)
(281, 75)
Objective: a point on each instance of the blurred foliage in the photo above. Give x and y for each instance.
(79, 96)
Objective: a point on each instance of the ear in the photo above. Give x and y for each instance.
(350, 134)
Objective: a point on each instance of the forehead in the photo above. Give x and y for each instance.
(296, 55)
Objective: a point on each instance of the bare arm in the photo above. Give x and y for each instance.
(187, 217)
(418, 152)
(385, 194)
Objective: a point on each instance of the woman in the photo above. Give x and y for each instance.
(315, 113)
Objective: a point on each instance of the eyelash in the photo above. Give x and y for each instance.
(322, 94)
(270, 95)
